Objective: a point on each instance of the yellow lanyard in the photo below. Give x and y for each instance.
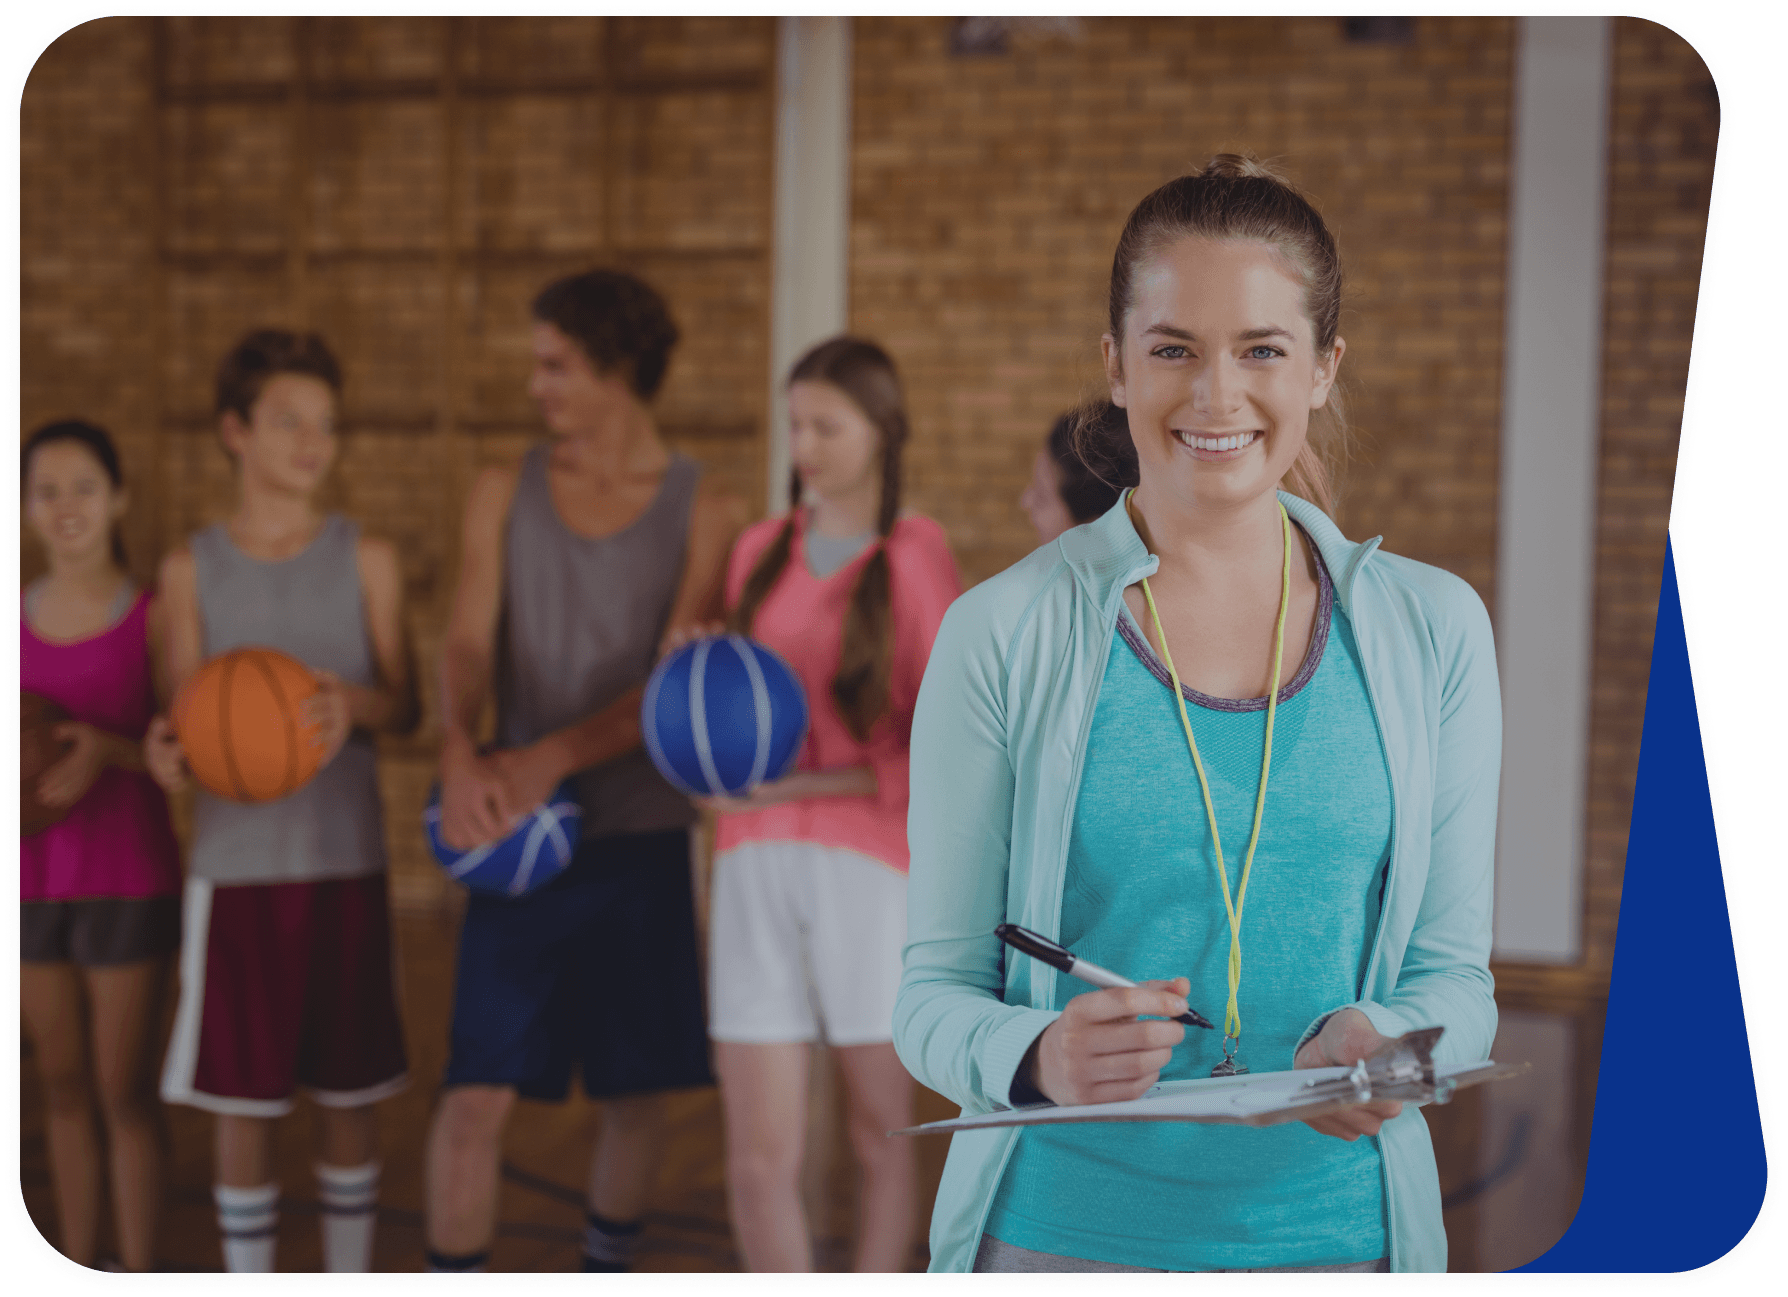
(1232, 1018)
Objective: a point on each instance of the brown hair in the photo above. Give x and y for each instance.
(96, 441)
(1235, 196)
(1092, 447)
(263, 354)
(618, 320)
(866, 374)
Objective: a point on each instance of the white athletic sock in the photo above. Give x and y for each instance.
(249, 1221)
(350, 1199)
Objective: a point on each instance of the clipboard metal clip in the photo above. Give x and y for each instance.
(1404, 1068)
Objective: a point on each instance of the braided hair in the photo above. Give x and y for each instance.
(866, 374)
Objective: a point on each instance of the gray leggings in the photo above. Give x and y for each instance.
(995, 1257)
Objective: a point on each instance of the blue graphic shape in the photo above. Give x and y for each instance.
(1669, 1188)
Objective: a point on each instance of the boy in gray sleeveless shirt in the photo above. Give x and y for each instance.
(286, 974)
(575, 565)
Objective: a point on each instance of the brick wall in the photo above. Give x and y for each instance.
(86, 242)
(405, 184)
(988, 193)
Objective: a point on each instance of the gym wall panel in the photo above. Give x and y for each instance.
(183, 179)
(404, 185)
(988, 192)
(532, 177)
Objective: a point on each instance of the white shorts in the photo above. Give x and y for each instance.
(804, 945)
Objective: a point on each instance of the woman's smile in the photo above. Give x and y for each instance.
(1217, 446)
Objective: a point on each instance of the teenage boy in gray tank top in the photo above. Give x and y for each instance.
(286, 974)
(575, 566)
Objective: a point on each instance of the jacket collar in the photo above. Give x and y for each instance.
(1106, 555)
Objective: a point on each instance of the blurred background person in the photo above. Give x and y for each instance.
(1078, 474)
(577, 559)
(288, 977)
(99, 890)
(809, 910)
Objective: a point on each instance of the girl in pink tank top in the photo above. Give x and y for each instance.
(116, 840)
(99, 889)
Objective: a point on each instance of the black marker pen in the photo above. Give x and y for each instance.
(1029, 943)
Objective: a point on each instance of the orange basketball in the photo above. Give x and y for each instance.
(239, 722)
(38, 751)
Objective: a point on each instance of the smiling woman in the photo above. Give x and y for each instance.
(1320, 729)
(1263, 266)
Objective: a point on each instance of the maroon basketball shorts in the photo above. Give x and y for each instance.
(285, 986)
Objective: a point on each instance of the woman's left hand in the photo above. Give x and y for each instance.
(68, 780)
(1346, 1038)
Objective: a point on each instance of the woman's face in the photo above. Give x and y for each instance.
(832, 444)
(1042, 499)
(70, 501)
(1218, 371)
(289, 441)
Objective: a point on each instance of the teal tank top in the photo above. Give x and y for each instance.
(1142, 897)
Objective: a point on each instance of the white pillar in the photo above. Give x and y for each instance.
(810, 269)
(1545, 572)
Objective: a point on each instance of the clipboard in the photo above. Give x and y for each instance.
(1403, 1069)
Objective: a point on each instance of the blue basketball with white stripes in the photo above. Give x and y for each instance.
(534, 854)
(722, 715)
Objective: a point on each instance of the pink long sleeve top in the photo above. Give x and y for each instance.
(802, 618)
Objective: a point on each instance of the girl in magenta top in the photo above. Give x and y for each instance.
(99, 889)
(808, 910)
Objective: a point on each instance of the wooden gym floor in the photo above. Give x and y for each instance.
(1511, 1163)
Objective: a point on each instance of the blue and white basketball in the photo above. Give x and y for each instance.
(534, 854)
(723, 715)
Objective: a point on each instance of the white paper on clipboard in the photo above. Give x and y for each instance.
(1402, 1070)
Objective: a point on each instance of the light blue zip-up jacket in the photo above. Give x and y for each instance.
(999, 736)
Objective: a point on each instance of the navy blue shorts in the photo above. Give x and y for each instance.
(596, 970)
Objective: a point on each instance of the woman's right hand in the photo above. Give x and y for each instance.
(163, 756)
(474, 805)
(1100, 1051)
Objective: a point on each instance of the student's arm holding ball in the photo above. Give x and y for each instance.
(391, 706)
(474, 804)
(716, 519)
(700, 607)
(531, 773)
(91, 750)
(177, 639)
(489, 791)
(925, 584)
